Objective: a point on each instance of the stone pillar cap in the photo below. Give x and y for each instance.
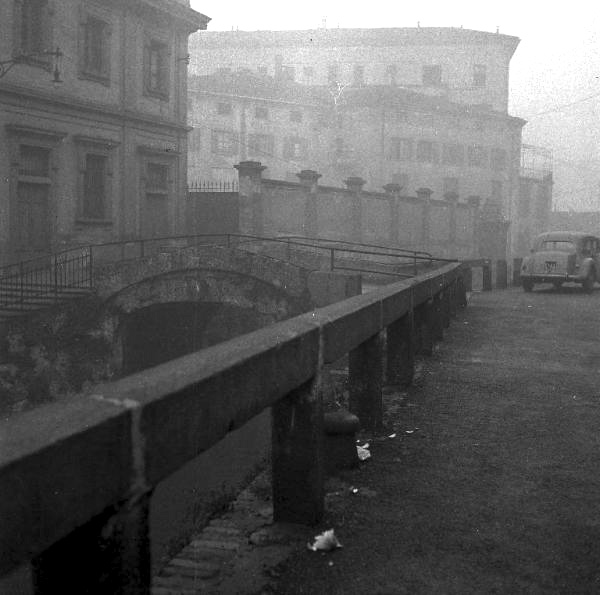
(250, 166)
(309, 175)
(392, 188)
(424, 192)
(354, 183)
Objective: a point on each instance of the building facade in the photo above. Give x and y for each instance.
(465, 66)
(239, 116)
(93, 121)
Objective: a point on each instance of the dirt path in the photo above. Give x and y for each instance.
(496, 487)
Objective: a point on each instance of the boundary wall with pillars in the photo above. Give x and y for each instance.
(271, 207)
(76, 477)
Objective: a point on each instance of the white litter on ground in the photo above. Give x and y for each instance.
(325, 542)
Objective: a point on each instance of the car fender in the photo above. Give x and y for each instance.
(526, 267)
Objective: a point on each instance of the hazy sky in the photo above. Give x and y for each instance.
(556, 63)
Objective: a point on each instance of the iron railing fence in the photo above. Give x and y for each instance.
(213, 186)
(45, 279)
(52, 278)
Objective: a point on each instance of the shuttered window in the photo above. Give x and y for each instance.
(156, 68)
(96, 38)
(93, 205)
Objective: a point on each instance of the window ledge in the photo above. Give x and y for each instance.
(36, 61)
(97, 78)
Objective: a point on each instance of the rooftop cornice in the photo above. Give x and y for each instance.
(381, 37)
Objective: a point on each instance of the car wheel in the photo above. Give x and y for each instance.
(527, 285)
(588, 283)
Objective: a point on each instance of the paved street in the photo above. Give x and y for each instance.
(492, 482)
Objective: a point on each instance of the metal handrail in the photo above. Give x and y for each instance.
(73, 268)
(388, 248)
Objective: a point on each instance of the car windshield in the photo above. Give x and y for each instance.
(560, 245)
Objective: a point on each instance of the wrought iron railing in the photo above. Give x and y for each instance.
(56, 277)
(213, 186)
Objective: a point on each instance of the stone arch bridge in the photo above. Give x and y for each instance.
(142, 312)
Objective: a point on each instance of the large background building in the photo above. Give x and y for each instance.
(93, 138)
(421, 107)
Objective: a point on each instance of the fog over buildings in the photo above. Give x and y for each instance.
(554, 73)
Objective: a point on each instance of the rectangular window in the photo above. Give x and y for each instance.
(426, 152)
(224, 109)
(157, 68)
(476, 156)
(358, 75)
(157, 178)
(498, 159)
(224, 142)
(294, 148)
(34, 161)
(93, 204)
(479, 75)
(260, 145)
(261, 113)
(296, 116)
(339, 147)
(432, 75)
(34, 26)
(262, 70)
(391, 73)
(401, 149)
(96, 48)
(453, 155)
(450, 185)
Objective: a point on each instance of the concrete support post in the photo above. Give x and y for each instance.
(424, 195)
(501, 274)
(310, 181)
(461, 290)
(393, 193)
(437, 328)
(487, 276)
(400, 351)
(355, 185)
(251, 207)
(365, 382)
(426, 319)
(297, 456)
(110, 554)
(516, 272)
(468, 279)
(452, 200)
(454, 298)
(474, 203)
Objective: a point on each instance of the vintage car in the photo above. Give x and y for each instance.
(560, 257)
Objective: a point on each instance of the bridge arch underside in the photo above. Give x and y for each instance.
(178, 312)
